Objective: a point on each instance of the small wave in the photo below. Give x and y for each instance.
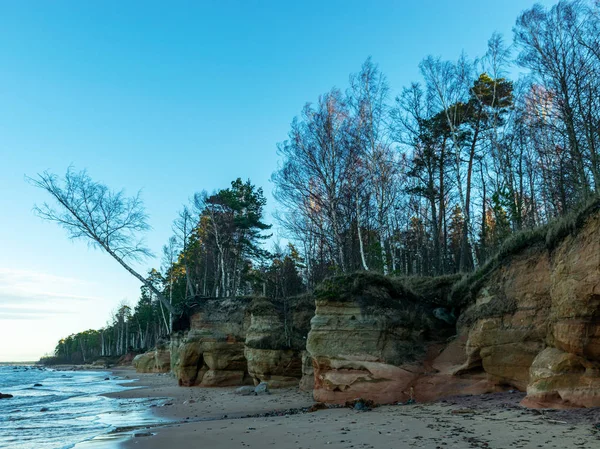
(75, 410)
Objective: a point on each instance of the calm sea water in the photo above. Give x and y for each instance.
(75, 410)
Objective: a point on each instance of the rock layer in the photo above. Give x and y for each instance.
(368, 339)
(506, 327)
(536, 322)
(276, 338)
(157, 361)
(533, 325)
(212, 352)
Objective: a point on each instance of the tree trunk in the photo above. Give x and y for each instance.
(360, 241)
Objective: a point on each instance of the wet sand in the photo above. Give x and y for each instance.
(217, 418)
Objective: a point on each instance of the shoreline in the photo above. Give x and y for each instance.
(222, 419)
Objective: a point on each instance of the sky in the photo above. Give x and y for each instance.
(173, 98)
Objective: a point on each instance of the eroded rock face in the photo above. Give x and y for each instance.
(276, 338)
(536, 323)
(162, 360)
(568, 371)
(507, 325)
(157, 361)
(575, 291)
(563, 379)
(212, 352)
(368, 339)
(144, 363)
(279, 368)
(307, 382)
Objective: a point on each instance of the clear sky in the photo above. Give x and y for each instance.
(173, 98)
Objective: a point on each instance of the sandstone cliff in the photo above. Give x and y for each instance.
(212, 351)
(528, 320)
(238, 341)
(369, 338)
(535, 320)
(276, 339)
(157, 361)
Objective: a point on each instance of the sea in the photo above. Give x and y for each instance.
(66, 409)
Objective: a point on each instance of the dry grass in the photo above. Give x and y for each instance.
(542, 238)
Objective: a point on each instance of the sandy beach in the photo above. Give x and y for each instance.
(218, 418)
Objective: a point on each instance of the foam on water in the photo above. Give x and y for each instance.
(75, 410)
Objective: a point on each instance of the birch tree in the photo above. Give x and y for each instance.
(105, 218)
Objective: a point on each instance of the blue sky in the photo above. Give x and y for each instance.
(173, 98)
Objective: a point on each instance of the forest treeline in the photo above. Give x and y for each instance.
(427, 182)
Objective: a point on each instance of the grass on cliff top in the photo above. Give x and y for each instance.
(433, 290)
(393, 303)
(379, 289)
(388, 291)
(267, 306)
(571, 223)
(546, 237)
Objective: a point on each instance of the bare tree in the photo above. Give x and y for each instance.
(314, 175)
(170, 252)
(555, 46)
(367, 98)
(183, 227)
(107, 219)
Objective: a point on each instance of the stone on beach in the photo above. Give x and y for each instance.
(262, 388)
(245, 390)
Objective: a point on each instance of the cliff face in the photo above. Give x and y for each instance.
(533, 324)
(276, 338)
(368, 339)
(238, 341)
(212, 352)
(506, 327)
(536, 322)
(529, 320)
(157, 361)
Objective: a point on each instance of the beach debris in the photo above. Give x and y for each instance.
(463, 411)
(360, 404)
(189, 401)
(246, 390)
(317, 406)
(262, 388)
(5, 396)
(142, 434)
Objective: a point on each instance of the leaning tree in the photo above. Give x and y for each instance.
(107, 219)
